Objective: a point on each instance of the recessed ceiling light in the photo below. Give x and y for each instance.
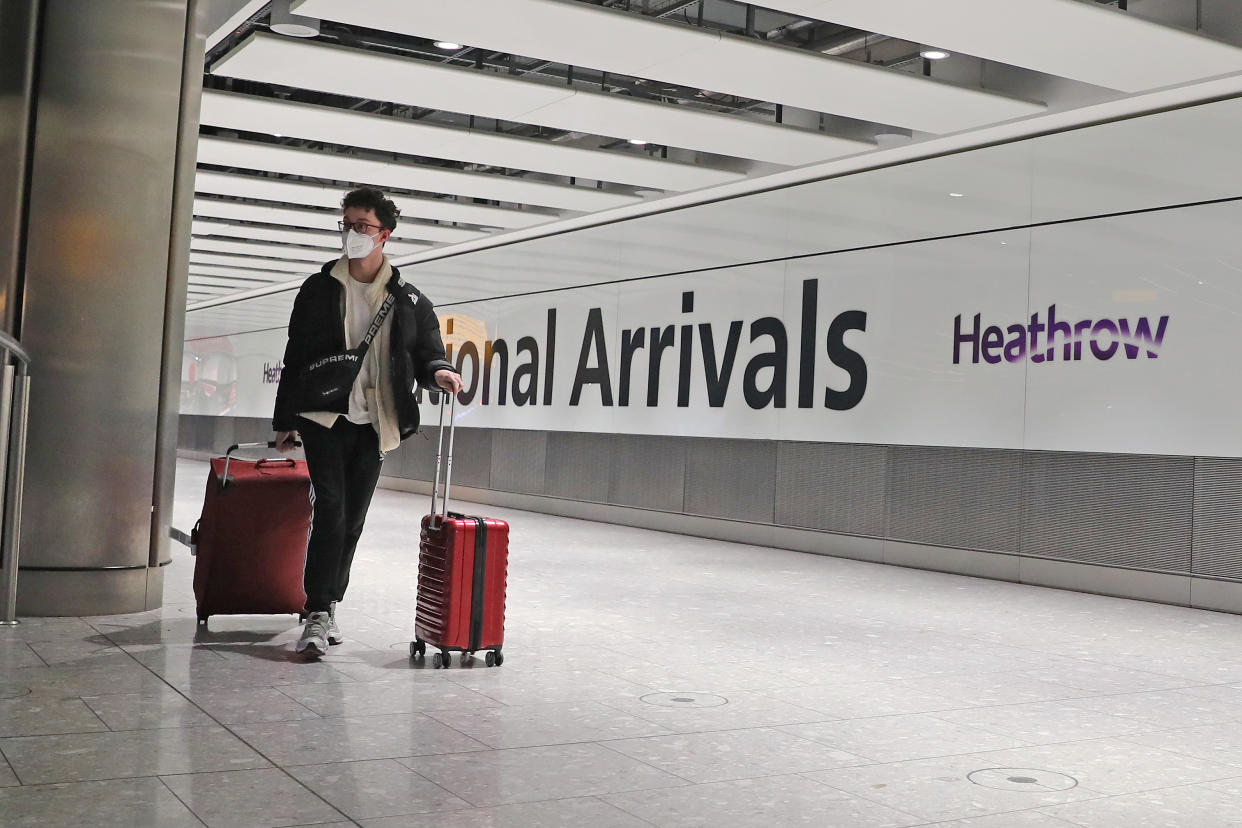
(447, 45)
(638, 142)
(956, 195)
(934, 54)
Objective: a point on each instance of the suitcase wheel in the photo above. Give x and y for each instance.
(500, 657)
(441, 660)
(490, 658)
(418, 649)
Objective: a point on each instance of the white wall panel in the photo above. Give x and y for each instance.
(985, 254)
(1185, 264)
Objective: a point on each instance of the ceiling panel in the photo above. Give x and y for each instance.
(242, 262)
(274, 190)
(318, 195)
(256, 156)
(346, 71)
(616, 41)
(197, 269)
(1083, 41)
(274, 251)
(336, 126)
(234, 284)
(327, 243)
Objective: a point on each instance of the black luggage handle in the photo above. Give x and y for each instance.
(447, 462)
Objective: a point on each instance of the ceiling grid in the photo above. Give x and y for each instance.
(549, 111)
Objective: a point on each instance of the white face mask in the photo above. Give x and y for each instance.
(358, 245)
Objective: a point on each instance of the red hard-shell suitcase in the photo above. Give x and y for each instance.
(463, 565)
(250, 543)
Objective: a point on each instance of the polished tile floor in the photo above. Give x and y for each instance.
(650, 680)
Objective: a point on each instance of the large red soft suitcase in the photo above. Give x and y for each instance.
(250, 543)
(463, 565)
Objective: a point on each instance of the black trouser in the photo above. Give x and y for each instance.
(344, 465)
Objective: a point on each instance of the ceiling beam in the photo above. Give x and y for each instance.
(363, 74)
(629, 44)
(331, 125)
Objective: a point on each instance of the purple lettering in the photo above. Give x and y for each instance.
(1096, 330)
(960, 338)
(992, 339)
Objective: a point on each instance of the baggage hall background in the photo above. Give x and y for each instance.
(1106, 473)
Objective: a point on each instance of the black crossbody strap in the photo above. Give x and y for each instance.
(377, 321)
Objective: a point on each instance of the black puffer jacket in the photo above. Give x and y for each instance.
(317, 329)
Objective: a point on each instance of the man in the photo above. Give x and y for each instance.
(345, 441)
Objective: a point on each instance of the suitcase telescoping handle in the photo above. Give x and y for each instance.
(442, 460)
(228, 455)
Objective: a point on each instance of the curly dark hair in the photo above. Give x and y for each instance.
(369, 198)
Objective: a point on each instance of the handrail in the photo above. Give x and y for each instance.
(14, 408)
(8, 343)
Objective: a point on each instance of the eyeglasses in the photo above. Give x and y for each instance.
(357, 226)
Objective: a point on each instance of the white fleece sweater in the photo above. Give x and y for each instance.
(380, 400)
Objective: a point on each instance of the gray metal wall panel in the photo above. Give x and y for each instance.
(733, 479)
(419, 456)
(102, 183)
(1217, 547)
(472, 457)
(649, 472)
(834, 487)
(223, 435)
(962, 497)
(1122, 510)
(518, 460)
(18, 19)
(579, 466)
(1110, 510)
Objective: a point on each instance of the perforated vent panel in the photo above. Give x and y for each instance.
(966, 498)
(1218, 518)
(733, 479)
(1123, 510)
(418, 455)
(1163, 514)
(472, 457)
(648, 472)
(518, 459)
(580, 465)
(830, 486)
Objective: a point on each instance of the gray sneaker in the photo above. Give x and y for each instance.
(314, 640)
(334, 632)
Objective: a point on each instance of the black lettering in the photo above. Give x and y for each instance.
(471, 351)
(777, 359)
(660, 340)
(550, 357)
(718, 374)
(844, 357)
(806, 360)
(490, 351)
(528, 372)
(593, 340)
(631, 341)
